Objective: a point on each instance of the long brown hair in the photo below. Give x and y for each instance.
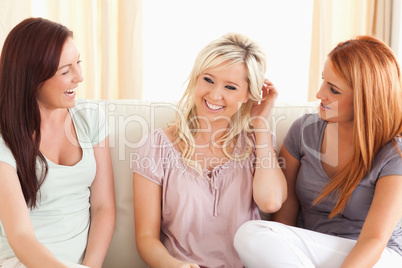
(372, 71)
(30, 56)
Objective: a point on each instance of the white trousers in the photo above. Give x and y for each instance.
(272, 244)
(15, 263)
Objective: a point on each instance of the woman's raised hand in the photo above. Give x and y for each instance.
(261, 111)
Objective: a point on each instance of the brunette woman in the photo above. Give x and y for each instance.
(56, 196)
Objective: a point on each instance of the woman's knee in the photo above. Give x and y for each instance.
(253, 236)
(263, 244)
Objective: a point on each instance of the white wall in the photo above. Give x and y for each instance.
(176, 30)
(396, 39)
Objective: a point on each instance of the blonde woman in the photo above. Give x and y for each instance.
(344, 171)
(193, 181)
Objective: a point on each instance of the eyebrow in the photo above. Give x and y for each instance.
(334, 85)
(230, 82)
(68, 65)
(322, 74)
(61, 67)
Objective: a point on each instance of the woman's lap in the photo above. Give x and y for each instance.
(272, 244)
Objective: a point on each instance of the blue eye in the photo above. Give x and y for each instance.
(334, 91)
(231, 87)
(208, 80)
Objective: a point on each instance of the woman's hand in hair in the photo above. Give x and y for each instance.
(269, 185)
(261, 112)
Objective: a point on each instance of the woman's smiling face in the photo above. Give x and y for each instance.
(59, 91)
(336, 97)
(220, 92)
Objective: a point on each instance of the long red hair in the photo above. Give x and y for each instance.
(372, 71)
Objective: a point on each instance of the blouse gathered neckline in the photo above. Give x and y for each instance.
(207, 173)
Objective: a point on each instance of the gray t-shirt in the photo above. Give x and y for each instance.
(304, 141)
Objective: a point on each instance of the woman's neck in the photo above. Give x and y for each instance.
(343, 131)
(212, 131)
(56, 116)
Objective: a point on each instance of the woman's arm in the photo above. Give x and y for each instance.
(269, 184)
(290, 209)
(17, 223)
(383, 216)
(147, 217)
(103, 209)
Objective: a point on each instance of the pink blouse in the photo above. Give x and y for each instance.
(200, 213)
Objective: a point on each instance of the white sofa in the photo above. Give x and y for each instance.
(128, 121)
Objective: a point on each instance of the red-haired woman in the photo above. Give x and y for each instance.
(343, 169)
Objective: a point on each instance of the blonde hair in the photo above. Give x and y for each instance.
(229, 49)
(372, 71)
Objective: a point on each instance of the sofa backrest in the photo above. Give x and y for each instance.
(129, 121)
